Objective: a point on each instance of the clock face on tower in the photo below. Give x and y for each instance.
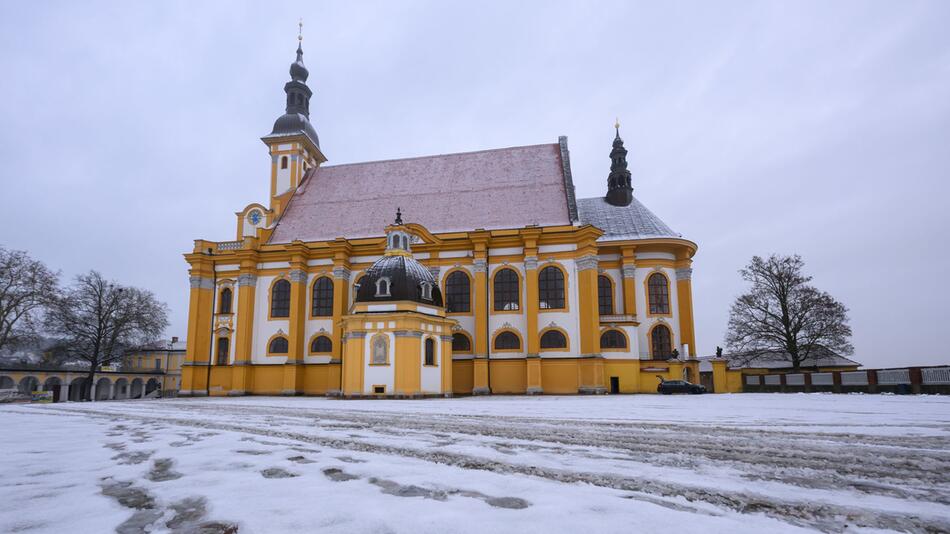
(254, 217)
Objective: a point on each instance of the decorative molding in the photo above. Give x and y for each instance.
(434, 270)
(685, 273)
(245, 280)
(406, 333)
(531, 262)
(629, 271)
(586, 262)
(354, 335)
(298, 275)
(480, 266)
(447, 338)
(201, 282)
(341, 273)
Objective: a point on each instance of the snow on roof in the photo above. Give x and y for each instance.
(827, 358)
(490, 189)
(622, 222)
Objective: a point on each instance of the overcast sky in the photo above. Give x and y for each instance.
(128, 129)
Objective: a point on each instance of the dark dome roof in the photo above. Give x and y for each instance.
(298, 72)
(293, 124)
(406, 276)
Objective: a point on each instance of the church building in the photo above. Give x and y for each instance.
(459, 274)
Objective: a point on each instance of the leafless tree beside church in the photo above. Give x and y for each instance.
(25, 287)
(97, 320)
(783, 317)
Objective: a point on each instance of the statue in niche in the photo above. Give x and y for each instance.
(380, 350)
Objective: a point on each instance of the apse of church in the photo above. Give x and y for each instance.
(514, 285)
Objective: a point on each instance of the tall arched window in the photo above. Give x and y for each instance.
(280, 299)
(506, 290)
(605, 295)
(278, 345)
(551, 288)
(322, 298)
(659, 290)
(283, 162)
(613, 339)
(507, 341)
(661, 342)
(553, 339)
(458, 293)
(225, 301)
(461, 343)
(223, 350)
(321, 344)
(430, 351)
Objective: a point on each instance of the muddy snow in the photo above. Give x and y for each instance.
(713, 463)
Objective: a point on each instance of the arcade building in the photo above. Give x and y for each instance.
(456, 274)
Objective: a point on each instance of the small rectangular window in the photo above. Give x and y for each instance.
(158, 363)
(379, 389)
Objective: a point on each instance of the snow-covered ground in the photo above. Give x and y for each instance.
(712, 463)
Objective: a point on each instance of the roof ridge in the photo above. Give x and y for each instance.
(432, 156)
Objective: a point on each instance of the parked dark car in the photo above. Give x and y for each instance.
(668, 387)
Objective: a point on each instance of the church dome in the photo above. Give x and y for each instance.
(294, 124)
(399, 277)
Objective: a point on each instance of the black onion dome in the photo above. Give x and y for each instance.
(299, 72)
(293, 124)
(406, 276)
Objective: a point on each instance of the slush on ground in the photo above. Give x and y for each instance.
(711, 463)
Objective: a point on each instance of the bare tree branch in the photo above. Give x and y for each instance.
(25, 285)
(99, 320)
(782, 317)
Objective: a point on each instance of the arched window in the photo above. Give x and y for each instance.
(551, 288)
(278, 345)
(605, 295)
(458, 293)
(613, 339)
(661, 342)
(225, 301)
(322, 298)
(430, 351)
(425, 289)
(553, 339)
(223, 350)
(280, 299)
(461, 343)
(507, 341)
(283, 162)
(380, 355)
(321, 344)
(382, 287)
(659, 290)
(506, 290)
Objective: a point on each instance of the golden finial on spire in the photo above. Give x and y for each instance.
(617, 124)
(300, 30)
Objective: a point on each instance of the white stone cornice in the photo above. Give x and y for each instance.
(245, 280)
(341, 273)
(297, 275)
(201, 282)
(586, 262)
(685, 273)
(629, 271)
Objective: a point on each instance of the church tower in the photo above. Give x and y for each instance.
(619, 188)
(293, 142)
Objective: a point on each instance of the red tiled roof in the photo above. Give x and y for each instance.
(490, 189)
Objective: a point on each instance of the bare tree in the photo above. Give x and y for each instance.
(783, 317)
(97, 320)
(25, 287)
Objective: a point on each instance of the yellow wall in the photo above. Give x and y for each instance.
(507, 376)
(462, 377)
